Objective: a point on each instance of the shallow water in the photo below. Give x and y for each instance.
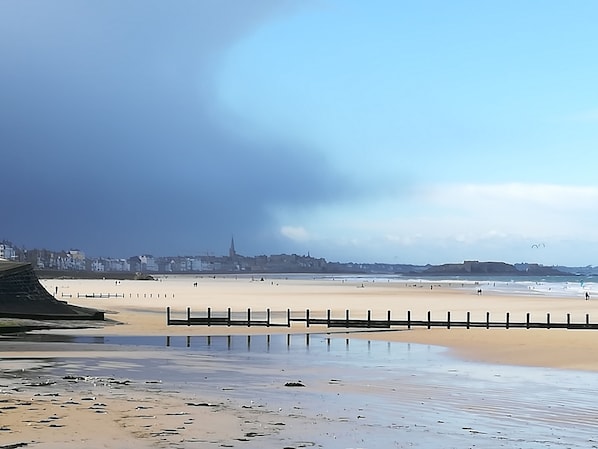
(364, 394)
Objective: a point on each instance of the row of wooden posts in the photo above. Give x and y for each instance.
(265, 319)
(116, 295)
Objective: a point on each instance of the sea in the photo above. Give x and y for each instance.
(552, 286)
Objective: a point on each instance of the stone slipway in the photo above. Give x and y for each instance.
(22, 296)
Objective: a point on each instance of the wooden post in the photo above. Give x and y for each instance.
(409, 319)
(188, 316)
(228, 317)
(288, 317)
(369, 318)
(328, 318)
(588, 319)
(428, 319)
(168, 316)
(527, 321)
(548, 321)
(568, 320)
(347, 318)
(448, 320)
(209, 316)
(468, 318)
(388, 316)
(307, 317)
(268, 318)
(487, 320)
(248, 317)
(507, 325)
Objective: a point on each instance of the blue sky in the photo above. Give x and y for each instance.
(385, 131)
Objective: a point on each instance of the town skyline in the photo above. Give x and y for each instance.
(77, 260)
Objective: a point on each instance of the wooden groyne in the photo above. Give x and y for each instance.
(268, 318)
(115, 295)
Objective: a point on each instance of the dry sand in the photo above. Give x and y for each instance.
(108, 412)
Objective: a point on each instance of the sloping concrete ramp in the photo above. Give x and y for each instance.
(23, 296)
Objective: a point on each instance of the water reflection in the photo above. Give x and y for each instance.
(254, 343)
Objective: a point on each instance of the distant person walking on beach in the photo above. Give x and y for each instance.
(587, 296)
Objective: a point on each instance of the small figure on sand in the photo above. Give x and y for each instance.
(587, 296)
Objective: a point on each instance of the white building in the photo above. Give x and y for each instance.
(119, 265)
(197, 264)
(7, 252)
(148, 263)
(75, 260)
(97, 265)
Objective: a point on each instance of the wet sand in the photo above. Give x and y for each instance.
(38, 409)
(114, 412)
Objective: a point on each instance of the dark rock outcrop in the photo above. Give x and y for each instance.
(23, 296)
(475, 268)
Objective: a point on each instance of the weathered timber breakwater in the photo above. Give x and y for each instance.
(270, 318)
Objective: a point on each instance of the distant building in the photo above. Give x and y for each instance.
(148, 263)
(7, 252)
(134, 263)
(118, 265)
(97, 265)
(75, 260)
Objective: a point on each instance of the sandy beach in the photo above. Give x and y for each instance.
(141, 310)
(108, 411)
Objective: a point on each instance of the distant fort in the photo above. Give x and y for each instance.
(476, 268)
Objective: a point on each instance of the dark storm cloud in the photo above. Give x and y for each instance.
(111, 138)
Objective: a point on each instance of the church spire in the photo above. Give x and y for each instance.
(231, 252)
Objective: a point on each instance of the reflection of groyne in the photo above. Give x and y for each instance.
(270, 319)
(22, 296)
(241, 341)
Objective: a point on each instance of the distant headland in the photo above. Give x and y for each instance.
(475, 268)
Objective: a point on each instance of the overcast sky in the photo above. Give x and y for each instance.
(384, 131)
